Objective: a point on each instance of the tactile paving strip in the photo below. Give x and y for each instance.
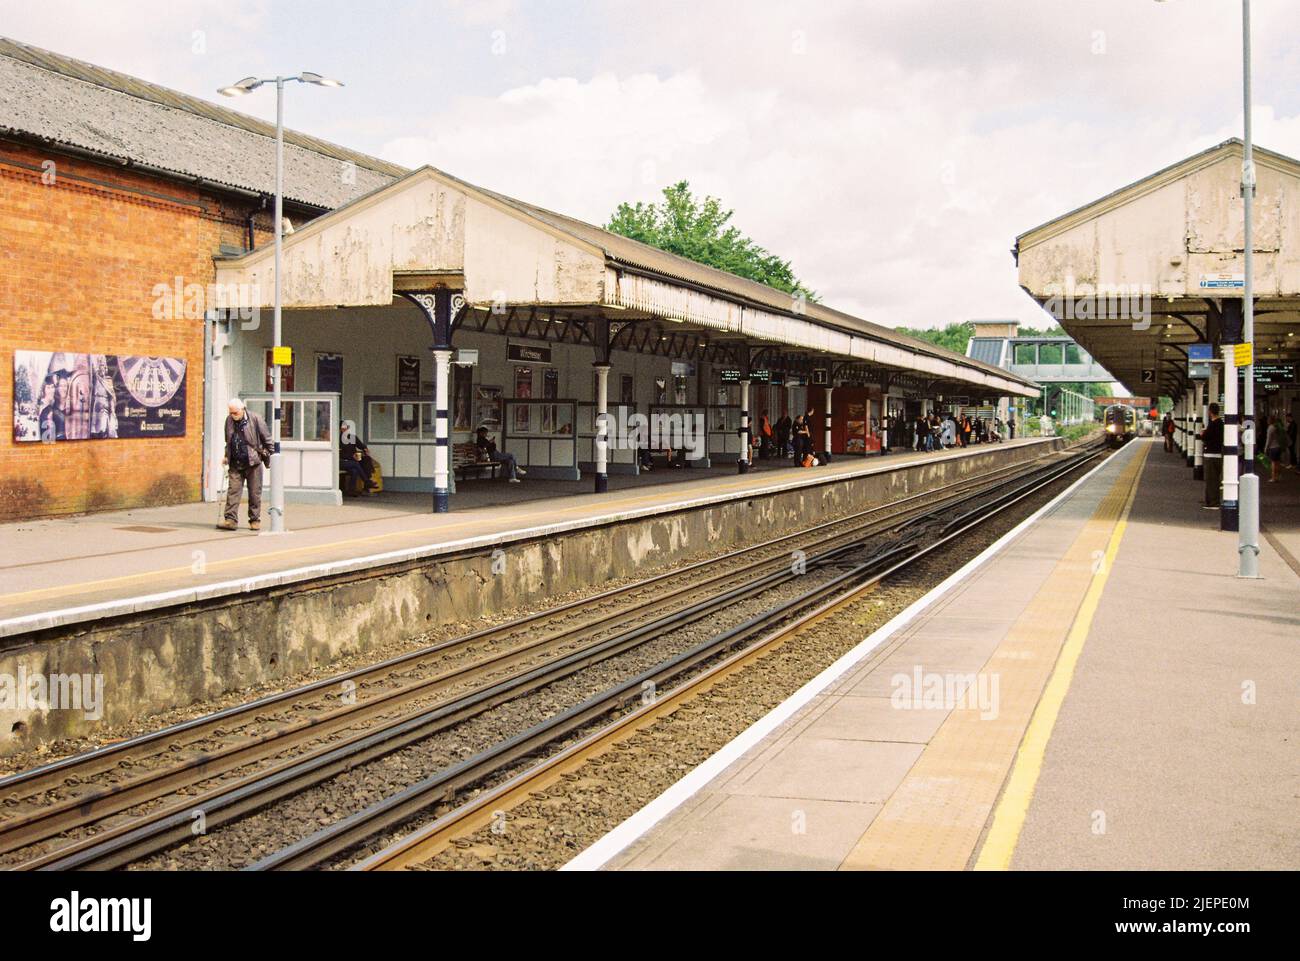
(934, 819)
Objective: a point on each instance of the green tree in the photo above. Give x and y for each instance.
(701, 230)
(954, 337)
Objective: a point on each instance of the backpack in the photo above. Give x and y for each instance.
(239, 448)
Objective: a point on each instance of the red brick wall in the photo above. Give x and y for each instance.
(78, 264)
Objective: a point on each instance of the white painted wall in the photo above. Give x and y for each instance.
(371, 339)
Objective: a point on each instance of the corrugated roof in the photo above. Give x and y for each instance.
(64, 101)
(986, 349)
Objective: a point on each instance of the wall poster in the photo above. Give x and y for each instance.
(487, 408)
(523, 391)
(286, 386)
(329, 373)
(408, 376)
(61, 396)
(462, 397)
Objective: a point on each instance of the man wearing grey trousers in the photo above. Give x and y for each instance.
(248, 447)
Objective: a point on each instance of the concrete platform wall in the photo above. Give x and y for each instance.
(171, 658)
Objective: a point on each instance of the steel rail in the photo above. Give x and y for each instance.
(79, 809)
(426, 842)
(173, 823)
(355, 829)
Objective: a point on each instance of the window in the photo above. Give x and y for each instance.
(1026, 354)
(1049, 353)
(1073, 355)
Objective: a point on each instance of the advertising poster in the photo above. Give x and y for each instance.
(286, 387)
(462, 397)
(61, 396)
(408, 376)
(329, 373)
(487, 403)
(523, 391)
(855, 429)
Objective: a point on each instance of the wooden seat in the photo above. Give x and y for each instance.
(465, 462)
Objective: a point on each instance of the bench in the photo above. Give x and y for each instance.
(465, 462)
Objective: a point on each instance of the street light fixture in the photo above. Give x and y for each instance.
(248, 85)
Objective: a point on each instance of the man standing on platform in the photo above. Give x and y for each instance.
(1212, 442)
(248, 447)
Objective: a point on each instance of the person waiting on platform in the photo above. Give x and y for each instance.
(1167, 431)
(1291, 438)
(487, 451)
(1212, 454)
(765, 437)
(783, 428)
(248, 447)
(1273, 448)
(354, 457)
(802, 438)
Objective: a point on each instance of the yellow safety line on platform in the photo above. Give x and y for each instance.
(1009, 817)
(613, 506)
(935, 817)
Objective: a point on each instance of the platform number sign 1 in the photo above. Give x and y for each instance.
(1148, 375)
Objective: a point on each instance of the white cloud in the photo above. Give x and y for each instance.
(893, 151)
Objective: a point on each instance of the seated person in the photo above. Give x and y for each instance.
(354, 456)
(487, 451)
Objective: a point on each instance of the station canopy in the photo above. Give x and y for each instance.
(1142, 273)
(528, 272)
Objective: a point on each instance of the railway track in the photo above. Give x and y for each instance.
(141, 796)
(738, 648)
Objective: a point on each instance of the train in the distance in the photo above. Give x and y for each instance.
(1120, 423)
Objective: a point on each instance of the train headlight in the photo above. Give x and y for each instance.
(1110, 428)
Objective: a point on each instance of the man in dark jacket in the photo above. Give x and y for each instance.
(783, 427)
(1212, 451)
(248, 447)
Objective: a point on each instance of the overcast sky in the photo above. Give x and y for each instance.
(893, 149)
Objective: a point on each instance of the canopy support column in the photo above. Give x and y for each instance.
(441, 307)
(742, 465)
(827, 435)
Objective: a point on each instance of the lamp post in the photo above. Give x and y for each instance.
(248, 85)
(1248, 494)
(1241, 495)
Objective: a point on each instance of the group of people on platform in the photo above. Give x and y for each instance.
(934, 431)
(1279, 448)
(790, 438)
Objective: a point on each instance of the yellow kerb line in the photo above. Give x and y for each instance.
(1009, 816)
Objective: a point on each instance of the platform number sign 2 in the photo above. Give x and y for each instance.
(1148, 375)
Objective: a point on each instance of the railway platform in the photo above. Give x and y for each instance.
(62, 571)
(1097, 690)
(170, 612)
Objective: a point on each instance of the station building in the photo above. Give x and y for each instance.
(1148, 273)
(137, 300)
